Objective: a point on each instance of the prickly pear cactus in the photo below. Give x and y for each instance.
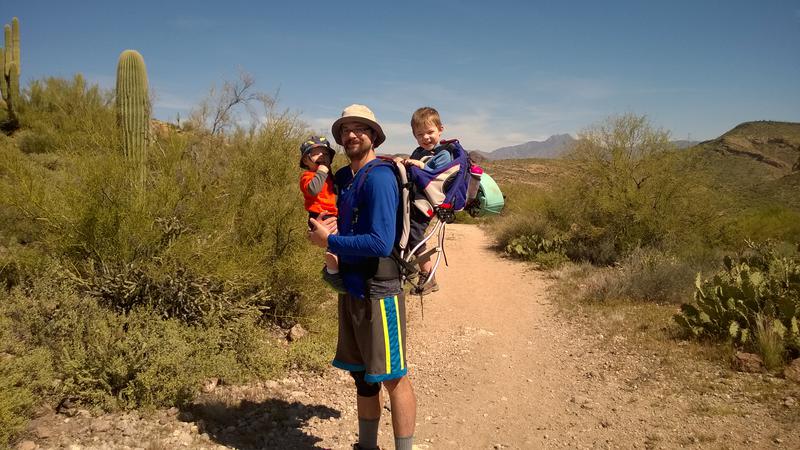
(729, 305)
(133, 107)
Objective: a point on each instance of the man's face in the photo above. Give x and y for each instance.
(357, 139)
(427, 135)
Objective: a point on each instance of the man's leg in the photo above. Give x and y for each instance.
(369, 420)
(404, 409)
(368, 402)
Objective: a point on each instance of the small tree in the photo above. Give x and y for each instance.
(631, 182)
(218, 111)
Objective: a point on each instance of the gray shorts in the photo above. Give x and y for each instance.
(372, 336)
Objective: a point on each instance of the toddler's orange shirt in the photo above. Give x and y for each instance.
(325, 201)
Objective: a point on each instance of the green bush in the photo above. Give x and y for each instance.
(68, 116)
(122, 297)
(549, 253)
(644, 275)
(759, 290)
(31, 142)
(775, 221)
(59, 344)
(211, 235)
(26, 374)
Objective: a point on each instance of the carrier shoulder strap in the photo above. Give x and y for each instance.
(404, 205)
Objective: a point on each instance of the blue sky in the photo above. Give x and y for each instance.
(500, 72)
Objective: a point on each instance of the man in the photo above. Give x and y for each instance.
(372, 324)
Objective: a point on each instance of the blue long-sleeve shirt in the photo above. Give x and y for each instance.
(439, 157)
(367, 219)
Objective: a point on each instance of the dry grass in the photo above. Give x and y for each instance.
(646, 329)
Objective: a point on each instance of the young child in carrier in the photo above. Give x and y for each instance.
(319, 196)
(430, 156)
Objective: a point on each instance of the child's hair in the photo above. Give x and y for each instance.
(424, 116)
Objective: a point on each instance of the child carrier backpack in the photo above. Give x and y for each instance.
(458, 185)
(483, 195)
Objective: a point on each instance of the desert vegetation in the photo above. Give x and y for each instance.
(135, 264)
(712, 228)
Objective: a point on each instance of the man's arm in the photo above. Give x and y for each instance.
(381, 198)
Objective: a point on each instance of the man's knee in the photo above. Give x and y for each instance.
(393, 383)
(364, 388)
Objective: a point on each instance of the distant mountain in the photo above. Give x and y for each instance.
(554, 147)
(683, 143)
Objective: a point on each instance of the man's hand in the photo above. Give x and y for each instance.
(318, 235)
(329, 222)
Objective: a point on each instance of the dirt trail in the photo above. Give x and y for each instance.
(493, 366)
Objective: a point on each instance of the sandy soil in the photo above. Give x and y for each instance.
(493, 365)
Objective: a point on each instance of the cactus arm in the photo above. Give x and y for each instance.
(8, 53)
(15, 44)
(3, 87)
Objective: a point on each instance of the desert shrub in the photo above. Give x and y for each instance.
(761, 288)
(514, 226)
(651, 275)
(533, 247)
(773, 221)
(768, 341)
(67, 116)
(628, 188)
(127, 360)
(644, 275)
(216, 231)
(25, 375)
(131, 296)
(632, 189)
(40, 141)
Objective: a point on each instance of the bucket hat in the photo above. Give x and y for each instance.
(313, 142)
(361, 114)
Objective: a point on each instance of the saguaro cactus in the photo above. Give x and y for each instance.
(11, 66)
(15, 43)
(133, 107)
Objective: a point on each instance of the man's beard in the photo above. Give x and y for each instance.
(358, 151)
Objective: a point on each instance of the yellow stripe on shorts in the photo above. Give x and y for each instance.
(386, 337)
(399, 334)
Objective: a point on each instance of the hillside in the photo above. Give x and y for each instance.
(756, 161)
(776, 144)
(541, 173)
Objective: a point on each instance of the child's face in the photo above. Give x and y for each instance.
(427, 135)
(318, 156)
